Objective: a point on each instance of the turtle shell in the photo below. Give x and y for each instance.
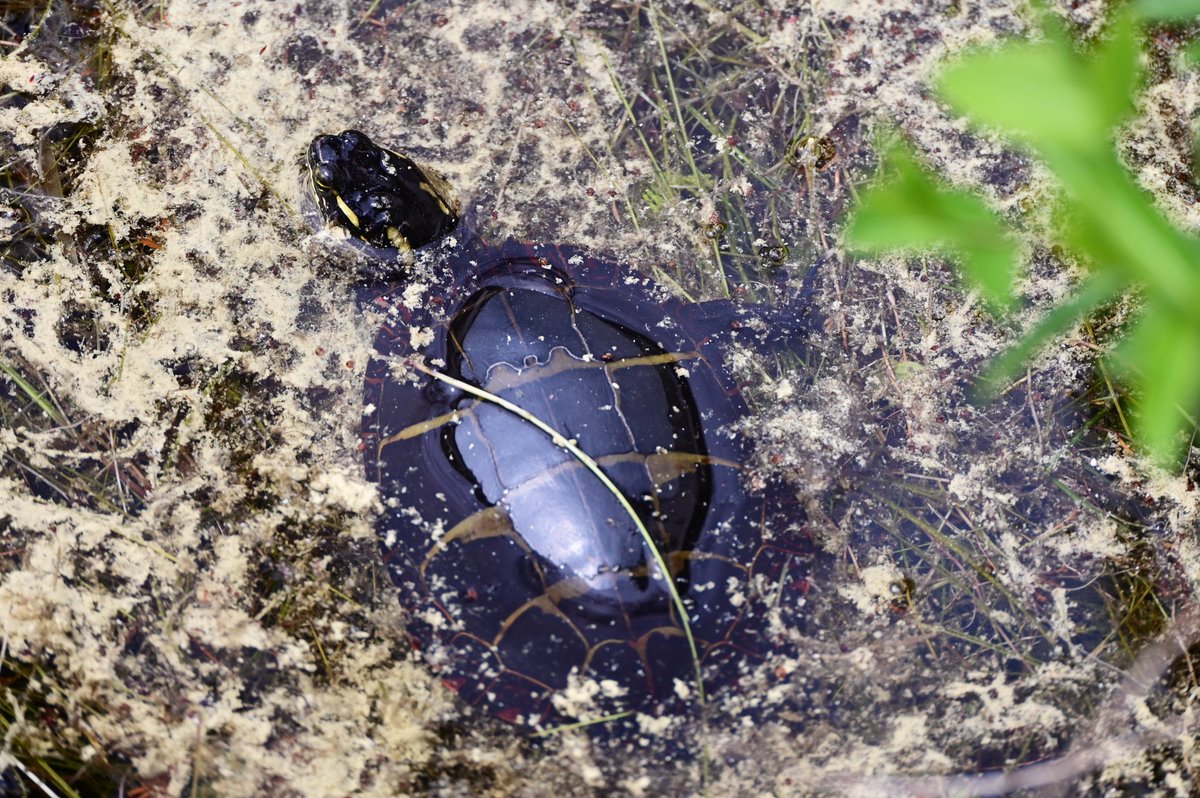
(524, 571)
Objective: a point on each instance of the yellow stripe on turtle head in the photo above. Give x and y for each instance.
(351, 216)
(431, 191)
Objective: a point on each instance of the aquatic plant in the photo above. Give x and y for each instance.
(1065, 106)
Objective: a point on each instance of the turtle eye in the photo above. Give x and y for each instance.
(354, 139)
(323, 175)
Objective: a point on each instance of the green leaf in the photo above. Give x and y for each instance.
(1047, 95)
(915, 210)
(1066, 105)
(1167, 10)
(1114, 224)
(1034, 92)
(1096, 290)
(1116, 70)
(1159, 358)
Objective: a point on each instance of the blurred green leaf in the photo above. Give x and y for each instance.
(1160, 355)
(1066, 105)
(1033, 92)
(1045, 93)
(1167, 10)
(1096, 290)
(916, 210)
(1116, 71)
(1114, 224)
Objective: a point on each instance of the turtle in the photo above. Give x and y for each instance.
(567, 512)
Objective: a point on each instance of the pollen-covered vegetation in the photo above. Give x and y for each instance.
(191, 598)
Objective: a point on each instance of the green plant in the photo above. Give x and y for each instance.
(1064, 105)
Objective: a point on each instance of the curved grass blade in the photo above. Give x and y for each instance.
(591, 465)
(583, 724)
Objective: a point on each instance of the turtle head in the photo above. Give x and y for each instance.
(379, 198)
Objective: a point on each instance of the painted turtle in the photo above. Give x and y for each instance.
(565, 502)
